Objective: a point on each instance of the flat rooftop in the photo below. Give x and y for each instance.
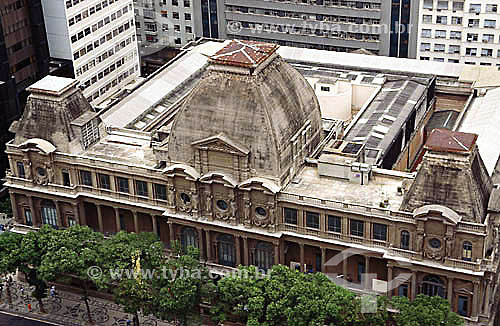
(381, 187)
(52, 84)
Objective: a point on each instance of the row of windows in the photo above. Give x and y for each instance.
(21, 23)
(11, 7)
(108, 70)
(19, 45)
(457, 35)
(106, 38)
(113, 83)
(88, 30)
(305, 16)
(437, 59)
(473, 22)
(456, 49)
(152, 27)
(357, 228)
(90, 11)
(459, 6)
(309, 31)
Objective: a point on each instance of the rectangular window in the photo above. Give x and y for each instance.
(475, 8)
(28, 217)
(357, 228)
(20, 170)
(463, 305)
(312, 220)
(86, 177)
(403, 290)
(290, 215)
(141, 188)
(456, 20)
(334, 224)
(66, 179)
(160, 191)
(490, 23)
(123, 185)
(380, 232)
(71, 221)
(104, 181)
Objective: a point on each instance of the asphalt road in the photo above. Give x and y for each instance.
(8, 320)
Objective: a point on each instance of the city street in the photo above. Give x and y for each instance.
(66, 309)
(18, 321)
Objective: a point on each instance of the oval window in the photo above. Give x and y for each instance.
(185, 198)
(222, 205)
(40, 171)
(435, 243)
(260, 211)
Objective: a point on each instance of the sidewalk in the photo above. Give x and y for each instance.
(67, 309)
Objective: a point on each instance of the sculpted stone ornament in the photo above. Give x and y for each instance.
(184, 204)
(247, 207)
(195, 203)
(234, 209)
(27, 169)
(50, 173)
(419, 241)
(208, 204)
(449, 246)
(171, 196)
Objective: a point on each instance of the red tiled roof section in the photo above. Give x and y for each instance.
(444, 140)
(247, 54)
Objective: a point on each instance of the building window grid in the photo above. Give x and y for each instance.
(123, 185)
(104, 181)
(141, 188)
(357, 228)
(334, 224)
(290, 215)
(86, 178)
(379, 231)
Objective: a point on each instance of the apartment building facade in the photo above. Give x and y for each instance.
(383, 27)
(98, 37)
(162, 23)
(460, 32)
(23, 60)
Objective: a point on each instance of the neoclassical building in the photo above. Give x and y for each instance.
(243, 170)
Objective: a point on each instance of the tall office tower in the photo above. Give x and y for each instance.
(23, 60)
(98, 37)
(382, 27)
(460, 31)
(162, 23)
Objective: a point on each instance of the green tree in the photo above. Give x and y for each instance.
(424, 311)
(183, 285)
(72, 252)
(122, 255)
(5, 207)
(9, 242)
(283, 297)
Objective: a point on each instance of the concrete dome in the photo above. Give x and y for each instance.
(257, 103)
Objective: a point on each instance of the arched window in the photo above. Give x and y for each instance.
(227, 253)
(263, 256)
(405, 240)
(467, 251)
(189, 238)
(433, 286)
(49, 213)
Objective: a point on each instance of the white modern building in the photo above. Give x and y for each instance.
(161, 23)
(460, 31)
(98, 36)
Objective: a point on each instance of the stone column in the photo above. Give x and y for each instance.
(413, 285)
(34, 214)
(302, 259)
(276, 254)
(344, 265)
(449, 295)
(60, 214)
(209, 246)
(76, 212)
(117, 219)
(389, 279)
(282, 252)
(367, 271)
(487, 298)
(171, 231)
(200, 243)
(323, 259)
(83, 217)
(237, 249)
(475, 299)
(154, 223)
(13, 203)
(136, 221)
(245, 251)
(99, 218)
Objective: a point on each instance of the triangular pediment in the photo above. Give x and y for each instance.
(221, 143)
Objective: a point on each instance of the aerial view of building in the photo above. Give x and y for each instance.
(261, 155)
(459, 32)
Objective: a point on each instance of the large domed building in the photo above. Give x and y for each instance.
(251, 115)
